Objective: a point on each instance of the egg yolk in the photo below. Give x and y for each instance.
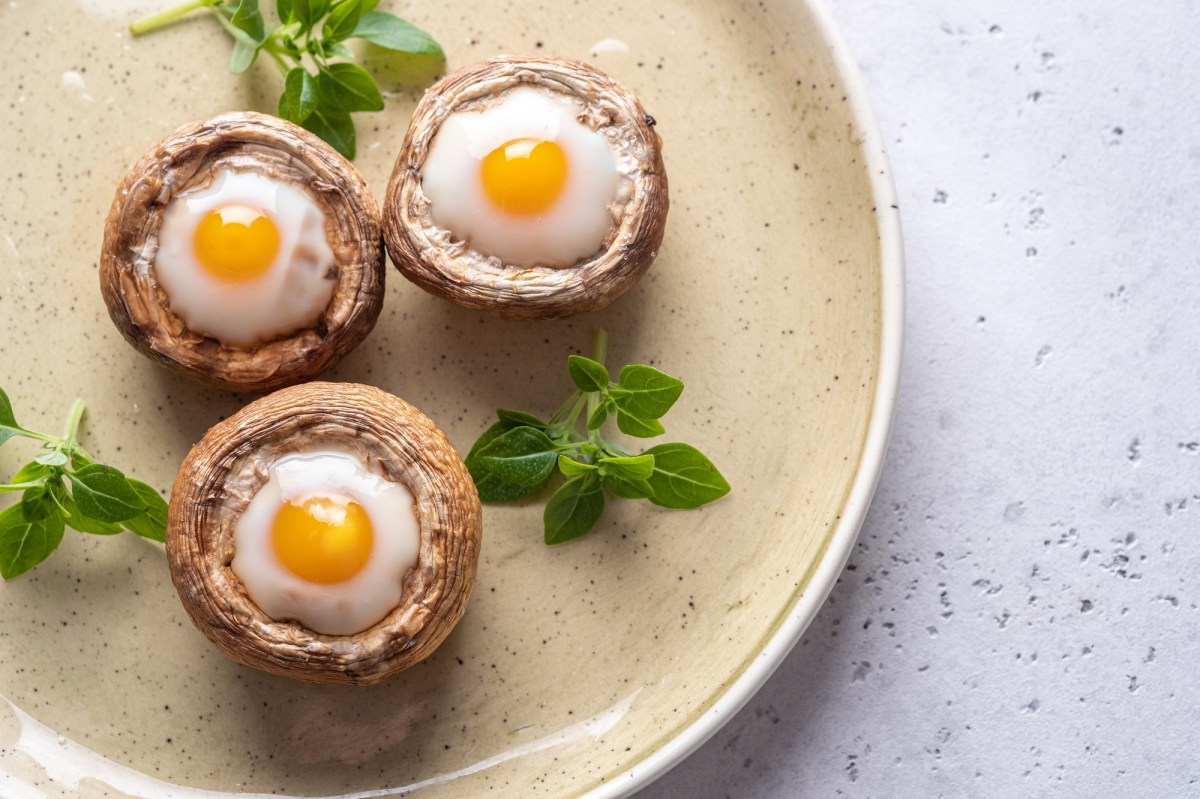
(236, 243)
(524, 176)
(323, 539)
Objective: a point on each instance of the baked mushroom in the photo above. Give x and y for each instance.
(327, 531)
(528, 186)
(244, 252)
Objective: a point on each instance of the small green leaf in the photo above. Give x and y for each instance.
(8, 423)
(573, 468)
(634, 467)
(627, 488)
(36, 503)
(245, 46)
(598, 416)
(348, 87)
(335, 128)
(588, 375)
(645, 392)
(520, 418)
(683, 477)
(490, 487)
(299, 96)
(32, 472)
(104, 494)
(338, 49)
(24, 543)
(393, 33)
(307, 12)
(73, 518)
(7, 419)
(152, 523)
(636, 425)
(523, 457)
(574, 509)
(247, 18)
(52, 457)
(342, 21)
(283, 9)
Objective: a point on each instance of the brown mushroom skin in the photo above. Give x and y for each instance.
(227, 467)
(189, 157)
(431, 258)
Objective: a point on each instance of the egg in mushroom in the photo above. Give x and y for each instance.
(244, 252)
(327, 531)
(529, 186)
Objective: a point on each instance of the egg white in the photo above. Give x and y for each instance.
(352, 605)
(577, 224)
(289, 296)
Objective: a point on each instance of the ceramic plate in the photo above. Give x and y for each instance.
(585, 669)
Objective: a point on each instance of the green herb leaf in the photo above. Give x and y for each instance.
(52, 457)
(104, 494)
(683, 477)
(338, 49)
(299, 98)
(348, 87)
(519, 418)
(84, 524)
(8, 423)
(574, 509)
(522, 456)
(307, 12)
(490, 487)
(32, 472)
(627, 488)
(283, 9)
(587, 374)
(633, 467)
(245, 46)
(573, 468)
(36, 503)
(393, 33)
(633, 425)
(247, 18)
(342, 21)
(335, 128)
(24, 543)
(645, 392)
(152, 523)
(597, 417)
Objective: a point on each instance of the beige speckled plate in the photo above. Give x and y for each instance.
(584, 669)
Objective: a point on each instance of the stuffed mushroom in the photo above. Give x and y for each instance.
(528, 186)
(327, 532)
(244, 252)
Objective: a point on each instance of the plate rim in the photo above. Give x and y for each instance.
(841, 543)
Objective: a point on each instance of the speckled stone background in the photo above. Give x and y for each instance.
(1020, 616)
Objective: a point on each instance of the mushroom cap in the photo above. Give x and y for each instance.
(190, 157)
(230, 464)
(432, 258)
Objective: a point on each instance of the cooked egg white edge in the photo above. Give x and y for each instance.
(289, 296)
(341, 608)
(580, 220)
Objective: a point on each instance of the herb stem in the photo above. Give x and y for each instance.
(600, 345)
(72, 426)
(158, 20)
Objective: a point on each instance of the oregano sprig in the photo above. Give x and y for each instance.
(311, 33)
(63, 487)
(518, 454)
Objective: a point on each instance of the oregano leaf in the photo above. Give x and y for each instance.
(573, 510)
(24, 543)
(683, 477)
